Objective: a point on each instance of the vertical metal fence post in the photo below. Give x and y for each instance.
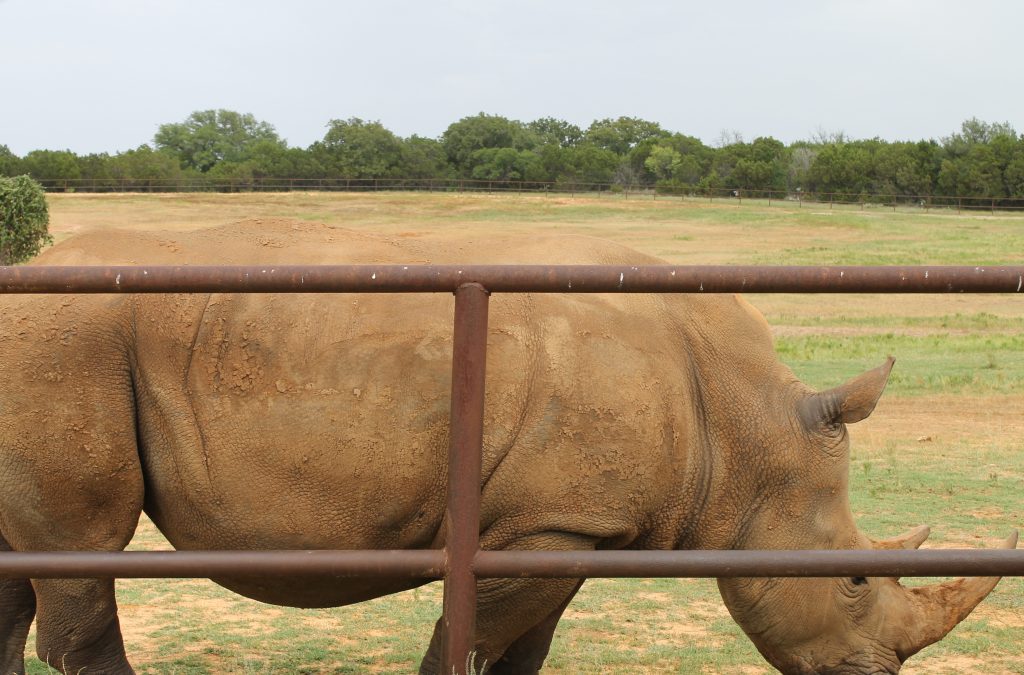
(469, 355)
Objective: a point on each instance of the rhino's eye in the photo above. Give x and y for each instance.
(859, 580)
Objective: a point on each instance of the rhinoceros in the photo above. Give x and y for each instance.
(321, 421)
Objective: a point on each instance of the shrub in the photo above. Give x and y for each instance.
(23, 219)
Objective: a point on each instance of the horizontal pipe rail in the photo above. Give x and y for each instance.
(511, 564)
(511, 278)
(722, 564)
(414, 564)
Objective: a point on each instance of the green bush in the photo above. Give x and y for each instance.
(23, 219)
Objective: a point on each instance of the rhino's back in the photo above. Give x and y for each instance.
(330, 411)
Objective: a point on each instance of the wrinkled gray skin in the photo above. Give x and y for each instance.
(269, 422)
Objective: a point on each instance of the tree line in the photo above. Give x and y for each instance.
(981, 160)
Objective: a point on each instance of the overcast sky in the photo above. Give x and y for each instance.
(102, 75)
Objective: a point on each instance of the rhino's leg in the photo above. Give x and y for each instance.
(77, 629)
(17, 609)
(510, 610)
(80, 488)
(527, 654)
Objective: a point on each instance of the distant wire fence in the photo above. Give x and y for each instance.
(796, 198)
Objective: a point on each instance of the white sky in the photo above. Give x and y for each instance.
(102, 75)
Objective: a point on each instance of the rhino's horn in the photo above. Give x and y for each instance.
(909, 540)
(940, 607)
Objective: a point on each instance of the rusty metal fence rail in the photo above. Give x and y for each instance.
(461, 562)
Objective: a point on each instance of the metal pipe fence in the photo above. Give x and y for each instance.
(461, 563)
(797, 198)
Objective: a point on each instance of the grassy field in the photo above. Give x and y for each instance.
(944, 447)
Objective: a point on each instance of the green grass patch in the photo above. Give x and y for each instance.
(941, 363)
(978, 321)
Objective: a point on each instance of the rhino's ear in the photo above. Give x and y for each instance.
(847, 403)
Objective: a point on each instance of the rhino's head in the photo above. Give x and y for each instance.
(847, 625)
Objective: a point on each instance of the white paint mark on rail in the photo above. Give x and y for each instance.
(622, 276)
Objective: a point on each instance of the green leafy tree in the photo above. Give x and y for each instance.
(9, 162)
(979, 173)
(289, 163)
(146, 165)
(767, 149)
(840, 168)
(576, 165)
(725, 159)
(424, 158)
(24, 219)
(760, 165)
(689, 171)
(556, 163)
(663, 162)
(902, 169)
(710, 182)
(977, 132)
(1014, 174)
(552, 131)
(977, 160)
(95, 167)
(51, 165)
(753, 174)
(635, 162)
(948, 178)
(355, 148)
(693, 159)
(506, 164)
(232, 175)
(268, 159)
(209, 137)
(470, 134)
(622, 134)
(980, 160)
(593, 164)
